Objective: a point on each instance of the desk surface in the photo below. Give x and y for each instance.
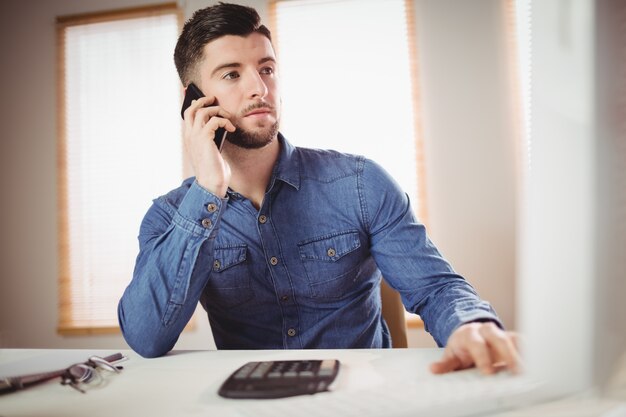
(185, 383)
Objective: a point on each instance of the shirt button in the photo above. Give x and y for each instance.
(331, 252)
(216, 265)
(291, 332)
(262, 219)
(207, 223)
(211, 207)
(284, 298)
(274, 260)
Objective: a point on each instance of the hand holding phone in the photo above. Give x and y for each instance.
(211, 170)
(193, 93)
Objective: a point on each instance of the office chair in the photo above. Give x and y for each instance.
(393, 313)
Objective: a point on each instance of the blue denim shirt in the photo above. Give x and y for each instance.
(301, 272)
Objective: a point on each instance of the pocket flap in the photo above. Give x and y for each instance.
(329, 247)
(228, 256)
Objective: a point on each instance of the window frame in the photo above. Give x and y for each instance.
(65, 324)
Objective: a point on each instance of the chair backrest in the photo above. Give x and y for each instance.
(393, 313)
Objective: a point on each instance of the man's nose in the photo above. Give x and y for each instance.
(256, 87)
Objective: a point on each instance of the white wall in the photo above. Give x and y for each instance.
(470, 142)
(468, 145)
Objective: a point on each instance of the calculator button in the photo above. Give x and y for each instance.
(261, 370)
(245, 370)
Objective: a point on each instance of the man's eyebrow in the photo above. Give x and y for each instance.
(227, 65)
(267, 59)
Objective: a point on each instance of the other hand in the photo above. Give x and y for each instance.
(483, 345)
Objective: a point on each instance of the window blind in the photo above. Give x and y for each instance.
(347, 84)
(119, 147)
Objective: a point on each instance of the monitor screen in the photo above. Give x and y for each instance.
(572, 269)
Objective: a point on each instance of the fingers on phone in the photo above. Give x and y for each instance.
(215, 123)
(197, 105)
(205, 114)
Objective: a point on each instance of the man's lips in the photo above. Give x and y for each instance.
(259, 112)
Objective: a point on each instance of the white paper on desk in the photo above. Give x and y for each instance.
(364, 403)
(358, 374)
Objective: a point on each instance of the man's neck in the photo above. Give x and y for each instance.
(251, 169)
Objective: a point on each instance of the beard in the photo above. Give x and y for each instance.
(247, 139)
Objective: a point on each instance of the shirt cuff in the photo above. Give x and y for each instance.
(200, 211)
(486, 320)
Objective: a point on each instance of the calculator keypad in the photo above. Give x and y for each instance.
(276, 379)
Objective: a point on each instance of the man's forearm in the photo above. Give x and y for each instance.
(163, 295)
(168, 278)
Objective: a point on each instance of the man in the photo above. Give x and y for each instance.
(285, 247)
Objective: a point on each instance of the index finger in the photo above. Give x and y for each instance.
(206, 113)
(447, 363)
(198, 103)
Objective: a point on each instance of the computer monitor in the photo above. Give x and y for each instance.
(572, 228)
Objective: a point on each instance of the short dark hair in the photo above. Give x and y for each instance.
(209, 24)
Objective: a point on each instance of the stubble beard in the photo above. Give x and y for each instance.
(247, 139)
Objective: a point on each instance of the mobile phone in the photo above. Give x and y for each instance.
(193, 93)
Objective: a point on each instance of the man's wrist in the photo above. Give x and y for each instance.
(218, 190)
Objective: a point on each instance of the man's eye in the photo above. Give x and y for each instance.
(230, 76)
(267, 70)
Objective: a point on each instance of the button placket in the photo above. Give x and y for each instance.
(283, 285)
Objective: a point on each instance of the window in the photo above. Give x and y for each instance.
(119, 145)
(348, 82)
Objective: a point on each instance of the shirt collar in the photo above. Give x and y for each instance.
(287, 168)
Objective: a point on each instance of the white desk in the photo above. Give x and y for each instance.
(185, 383)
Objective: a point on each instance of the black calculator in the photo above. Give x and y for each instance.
(278, 379)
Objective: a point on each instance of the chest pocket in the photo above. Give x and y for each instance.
(331, 263)
(230, 285)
